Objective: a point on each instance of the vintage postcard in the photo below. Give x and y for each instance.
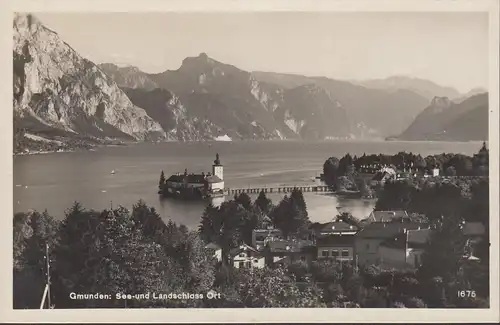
(253, 161)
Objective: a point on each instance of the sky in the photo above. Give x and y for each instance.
(449, 48)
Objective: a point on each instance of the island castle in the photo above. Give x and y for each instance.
(190, 185)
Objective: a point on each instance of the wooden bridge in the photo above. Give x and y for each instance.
(279, 189)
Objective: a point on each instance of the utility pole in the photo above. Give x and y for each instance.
(47, 291)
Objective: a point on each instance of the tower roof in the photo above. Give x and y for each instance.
(217, 159)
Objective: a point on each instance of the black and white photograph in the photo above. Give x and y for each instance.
(253, 159)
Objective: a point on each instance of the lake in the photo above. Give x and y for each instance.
(54, 181)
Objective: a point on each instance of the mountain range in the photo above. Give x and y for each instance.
(60, 95)
(445, 120)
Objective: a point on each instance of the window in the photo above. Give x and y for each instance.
(256, 261)
(345, 253)
(241, 265)
(335, 253)
(324, 253)
(249, 264)
(242, 254)
(303, 258)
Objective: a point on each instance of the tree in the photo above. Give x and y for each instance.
(349, 219)
(345, 166)
(290, 217)
(211, 225)
(330, 170)
(31, 233)
(244, 200)
(105, 252)
(162, 181)
(264, 204)
(365, 190)
(451, 171)
(420, 163)
(271, 288)
(396, 195)
(298, 197)
(442, 259)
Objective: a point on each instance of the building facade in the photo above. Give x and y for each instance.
(369, 239)
(281, 252)
(209, 184)
(246, 257)
(335, 240)
(404, 251)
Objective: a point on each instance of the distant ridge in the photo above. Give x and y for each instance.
(448, 121)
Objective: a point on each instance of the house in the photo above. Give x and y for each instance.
(203, 184)
(215, 250)
(335, 240)
(367, 241)
(285, 252)
(245, 256)
(260, 236)
(474, 231)
(386, 216)
(404, 251)
(384, 174)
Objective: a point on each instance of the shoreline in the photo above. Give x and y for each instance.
(93, 147)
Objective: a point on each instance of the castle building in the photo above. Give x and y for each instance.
(204, 184)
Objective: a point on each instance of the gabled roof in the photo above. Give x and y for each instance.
(418, 237)
(212, 246)
(385, 216)
(336, 227)
(474, 229)
(194, 178)
(288, 246)
(213, 179)
(384, 230)
(411, 239)
(242, 248)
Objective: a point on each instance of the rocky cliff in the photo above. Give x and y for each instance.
(371, 113)
(246, 108)
(65, 94)
(166, 108)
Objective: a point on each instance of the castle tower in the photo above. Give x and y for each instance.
(217, 168)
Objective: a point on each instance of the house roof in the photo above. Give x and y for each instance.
(242, 248)
(418, 237)
(385, 216)
(474, 229)
(411, 239)
(335, 240)
(212, 246)
(288, 246)
(384, 230)
(194, 178)
(213, 179)
(336, 227)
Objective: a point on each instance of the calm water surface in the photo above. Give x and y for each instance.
(55, 181)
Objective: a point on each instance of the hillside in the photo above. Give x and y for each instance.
(446, 120)
(166, 108)
(368, 110)
(63, 94)
(245, 108)
(424, 88)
